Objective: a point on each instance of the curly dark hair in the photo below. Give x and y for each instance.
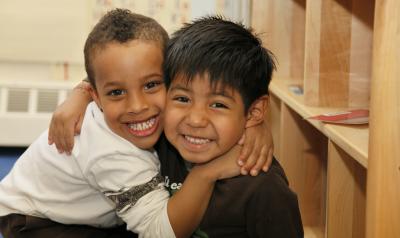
(121, 25)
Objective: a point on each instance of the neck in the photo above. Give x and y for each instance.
(233, 152)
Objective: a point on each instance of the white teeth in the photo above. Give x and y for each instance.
(198, 141)
(141, 126)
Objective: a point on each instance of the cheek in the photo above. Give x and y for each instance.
(230, 129)
(159, 100)
(112, 111)
(174, 116)
(162, 95)
(170, 118)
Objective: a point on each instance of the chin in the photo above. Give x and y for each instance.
(146, 143)
(197, 158)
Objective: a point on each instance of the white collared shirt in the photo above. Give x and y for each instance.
(71, 189)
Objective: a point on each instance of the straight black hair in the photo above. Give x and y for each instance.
(228, 52)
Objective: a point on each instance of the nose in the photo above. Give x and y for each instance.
(137, 103)
(196, 117)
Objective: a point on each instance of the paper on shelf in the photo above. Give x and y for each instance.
(357, 116)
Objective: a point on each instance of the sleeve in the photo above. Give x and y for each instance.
(274, 211)
(137, 191)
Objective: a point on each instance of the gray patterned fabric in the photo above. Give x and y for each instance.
(126, 198)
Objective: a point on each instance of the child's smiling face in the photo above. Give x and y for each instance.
(130, 90)
(203, 123)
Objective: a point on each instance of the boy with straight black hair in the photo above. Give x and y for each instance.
(217, 73)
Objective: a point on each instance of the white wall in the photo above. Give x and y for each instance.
(41, 49)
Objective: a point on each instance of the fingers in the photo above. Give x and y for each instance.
(59, 135)
(268, 163)
(58, 132)
(250, 162)
(68, 138)
(57, 141)
(247, 157)
(242, 139)
(260, 162)
(78, 126)
(53, 134)
(256, 161)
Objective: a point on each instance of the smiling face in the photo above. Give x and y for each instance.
(202, 122)
(130, 90)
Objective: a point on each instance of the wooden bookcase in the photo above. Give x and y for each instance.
(343, 54)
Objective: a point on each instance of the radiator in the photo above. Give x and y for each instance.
(26, 109)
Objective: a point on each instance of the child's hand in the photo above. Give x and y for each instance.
(257, 151)
(67, 119)
(223, 167)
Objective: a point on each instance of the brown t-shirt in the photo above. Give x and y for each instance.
(243, 206)
(246, 206)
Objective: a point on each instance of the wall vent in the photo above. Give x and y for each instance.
(47, 100)
(18, 100)
(26, 107)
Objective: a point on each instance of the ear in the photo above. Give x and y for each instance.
(257, 111)
(95, 97)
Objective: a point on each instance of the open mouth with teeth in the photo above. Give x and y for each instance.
(196, 144)
(144, 128)
(196, 140)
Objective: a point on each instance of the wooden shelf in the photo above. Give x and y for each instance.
(341, 53)
(352, 139)
(313, 232)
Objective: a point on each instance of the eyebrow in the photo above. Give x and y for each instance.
(179, 87)
(117, 83)
(221, 93)
(111, 84)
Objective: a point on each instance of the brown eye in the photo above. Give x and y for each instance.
(116, 92)
(218, 105)
(152, 84)
(181, 99)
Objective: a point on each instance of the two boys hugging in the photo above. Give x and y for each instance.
(205, 88)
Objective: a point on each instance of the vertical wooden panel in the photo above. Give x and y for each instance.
(298, 20)
(303, 156)
(337, 53)
(281, 27)
(346, 195)
(330, 25)
(311, 53)
(383, 188)
(263, 22)
(361, 52)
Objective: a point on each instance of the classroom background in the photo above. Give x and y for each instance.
(333, 56)
(41, 55)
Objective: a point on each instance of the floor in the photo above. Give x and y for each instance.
(8, 156)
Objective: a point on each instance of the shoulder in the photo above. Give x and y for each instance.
(267, 181)
(270, 188)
